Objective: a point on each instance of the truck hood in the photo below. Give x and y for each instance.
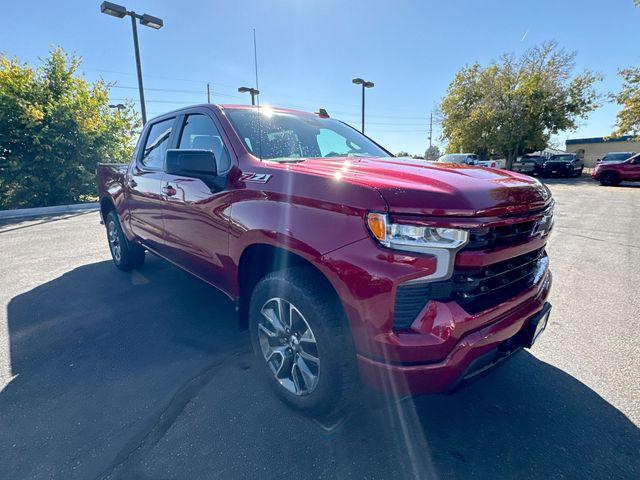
(438, 189)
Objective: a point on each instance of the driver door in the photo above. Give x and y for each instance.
(630, 170)
(196, 214)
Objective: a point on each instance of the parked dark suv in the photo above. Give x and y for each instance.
(565, 165)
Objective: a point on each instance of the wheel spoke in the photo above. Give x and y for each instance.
(308, 357)
(285, 309)
(272, 338)
(307, 336)
(272, 317)
(295, 377)
(307, 375)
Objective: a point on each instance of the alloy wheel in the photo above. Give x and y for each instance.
(114, 241)
(289, 346)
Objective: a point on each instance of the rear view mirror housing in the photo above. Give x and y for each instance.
(191, 163)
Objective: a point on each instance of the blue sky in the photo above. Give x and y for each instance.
(309, 50)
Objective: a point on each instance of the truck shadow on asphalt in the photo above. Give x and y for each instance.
(146, 375)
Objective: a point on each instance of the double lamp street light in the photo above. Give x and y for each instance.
(365, 84)
(253, 91)
(147, 20)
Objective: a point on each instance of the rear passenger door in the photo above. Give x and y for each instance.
(196, 212)
(144, 184)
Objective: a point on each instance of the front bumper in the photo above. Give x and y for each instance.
(524, 167)
(559, 169)
(474, 353)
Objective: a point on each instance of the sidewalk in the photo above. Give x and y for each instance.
(42, 211)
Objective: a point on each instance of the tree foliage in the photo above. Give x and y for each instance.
(628, 118)
(515, 104)
(54, 128)
(432, 153)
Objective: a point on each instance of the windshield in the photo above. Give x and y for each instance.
(562, 158)
(617, 157)
(287, 136)
(459, 158)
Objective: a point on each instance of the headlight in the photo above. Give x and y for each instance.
(414, 238)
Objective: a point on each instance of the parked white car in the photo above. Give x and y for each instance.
(470, 159)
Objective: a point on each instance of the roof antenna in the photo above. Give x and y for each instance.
(255, 65)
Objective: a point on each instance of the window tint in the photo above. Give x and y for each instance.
(200, 133)
(157, 144)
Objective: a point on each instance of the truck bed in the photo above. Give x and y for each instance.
(110, 177)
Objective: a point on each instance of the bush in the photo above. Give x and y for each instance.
(54, 128)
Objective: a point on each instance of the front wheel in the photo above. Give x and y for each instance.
(300, 336)
(609, 179)
(125, 254)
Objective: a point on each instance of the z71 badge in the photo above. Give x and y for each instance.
(255, 177)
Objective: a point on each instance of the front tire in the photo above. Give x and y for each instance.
(609, 179)
(126, 255)
(300, 336)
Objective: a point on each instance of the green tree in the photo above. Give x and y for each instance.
(516, 103)
(628, 118)
(402, 153)
(54, 128)
(432, 153)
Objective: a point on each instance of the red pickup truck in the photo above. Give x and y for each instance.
(611, 173)
(344, 262)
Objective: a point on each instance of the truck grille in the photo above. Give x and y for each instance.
(559, 166)
(475, 290)
(504, 235)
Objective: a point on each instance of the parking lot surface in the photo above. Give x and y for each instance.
(145, 375)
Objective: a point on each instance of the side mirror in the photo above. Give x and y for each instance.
(191, 163)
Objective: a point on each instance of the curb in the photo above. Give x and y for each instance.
(43, 211)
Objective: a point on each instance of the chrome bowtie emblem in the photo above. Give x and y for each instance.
(542, 225)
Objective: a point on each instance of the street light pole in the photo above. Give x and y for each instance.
(143, 108)
(362, 122)
(147, 20)
(365, 84)
(253, 91)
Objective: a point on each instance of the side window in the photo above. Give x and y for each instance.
(331, 143)
(156, 144)
(200, 133)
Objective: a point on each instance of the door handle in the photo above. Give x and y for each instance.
(169, 190)
(133, 183)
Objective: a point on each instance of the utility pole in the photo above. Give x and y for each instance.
(208, 93)
(430, 128)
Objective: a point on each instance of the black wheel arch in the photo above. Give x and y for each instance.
(261, 259)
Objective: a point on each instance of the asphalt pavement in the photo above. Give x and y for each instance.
(145, 375)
